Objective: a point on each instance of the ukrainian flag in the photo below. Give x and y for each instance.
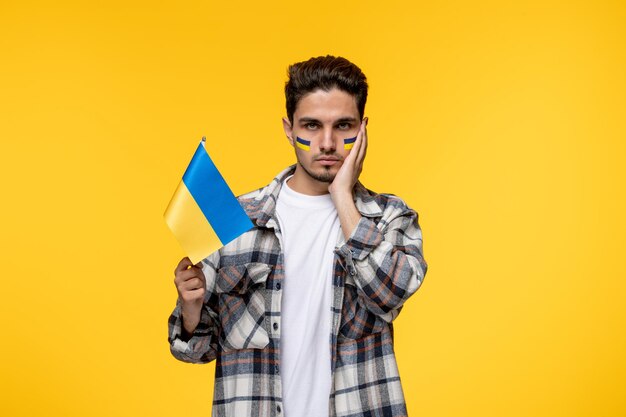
(204, 214)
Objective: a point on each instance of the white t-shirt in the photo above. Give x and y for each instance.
(310, 227)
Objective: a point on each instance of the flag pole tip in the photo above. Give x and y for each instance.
(203, 138)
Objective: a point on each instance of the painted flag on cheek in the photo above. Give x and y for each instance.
(349, 143)
(303, 143)
(203, 213)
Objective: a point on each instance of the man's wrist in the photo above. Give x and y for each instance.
(349, 215)
(341, 196)
(185, 336)
(189, 322)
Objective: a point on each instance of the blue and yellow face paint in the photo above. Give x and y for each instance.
(349, 143)
(303, 144)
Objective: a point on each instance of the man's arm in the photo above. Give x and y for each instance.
(386, 264)
(192, 326)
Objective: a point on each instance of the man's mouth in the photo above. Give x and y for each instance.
(327, 161)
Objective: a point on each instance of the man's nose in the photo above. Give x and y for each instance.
(327, 141)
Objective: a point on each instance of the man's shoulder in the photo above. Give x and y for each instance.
(252, 195)
(388, 204)
(255, 202)
(266, 190)
(252, 199)
(388, 199)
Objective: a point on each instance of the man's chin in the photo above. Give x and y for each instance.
(321, 175)
(324, 176)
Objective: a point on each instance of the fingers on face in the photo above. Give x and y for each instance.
(357, 142)
(360, 145)
(364, 146)
(361, 156)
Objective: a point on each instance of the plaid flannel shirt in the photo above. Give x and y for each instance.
(375, 271)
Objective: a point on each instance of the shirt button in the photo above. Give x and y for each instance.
(278, 285)
(278, 408)
(275, 326)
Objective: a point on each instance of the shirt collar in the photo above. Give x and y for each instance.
(262, 207)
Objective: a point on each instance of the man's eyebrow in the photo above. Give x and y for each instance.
(308, 120)
(341, 120)
(346, 119)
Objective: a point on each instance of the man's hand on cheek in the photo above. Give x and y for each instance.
(348, 174)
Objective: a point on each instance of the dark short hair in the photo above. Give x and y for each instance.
(325, 73)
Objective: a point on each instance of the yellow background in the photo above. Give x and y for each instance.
(502, 124)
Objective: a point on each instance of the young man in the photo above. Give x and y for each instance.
(298, 311)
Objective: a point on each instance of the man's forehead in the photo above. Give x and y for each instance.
(333, 103)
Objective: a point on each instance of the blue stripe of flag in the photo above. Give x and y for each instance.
(303, 141)
(350, 140)
(217, 202)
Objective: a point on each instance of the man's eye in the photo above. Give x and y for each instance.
(344, 126)
(310, 125)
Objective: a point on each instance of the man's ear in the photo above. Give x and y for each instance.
(288, 131)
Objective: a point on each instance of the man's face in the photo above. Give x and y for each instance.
(325, 119)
